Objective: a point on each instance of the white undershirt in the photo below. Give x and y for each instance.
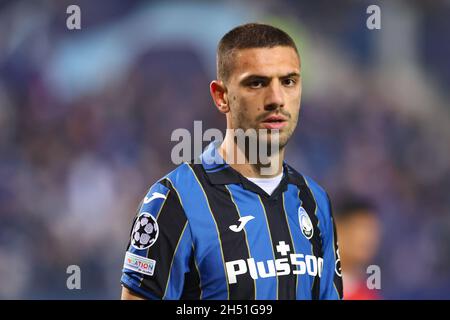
(267, 184)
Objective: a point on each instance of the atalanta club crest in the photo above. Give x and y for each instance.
(145, 231)
(305, 223)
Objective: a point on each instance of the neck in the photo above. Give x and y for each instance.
(239, 160)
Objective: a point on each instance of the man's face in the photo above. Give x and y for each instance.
(264, 90)
(359, 238)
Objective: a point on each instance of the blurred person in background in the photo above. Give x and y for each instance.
(359, 232)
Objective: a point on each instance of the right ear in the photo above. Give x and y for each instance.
(219, 94)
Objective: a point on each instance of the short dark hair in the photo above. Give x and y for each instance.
(351, 205)
(248, 36)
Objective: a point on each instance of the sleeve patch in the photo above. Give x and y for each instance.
(139, 264)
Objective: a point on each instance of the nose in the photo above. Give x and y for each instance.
(274, 97)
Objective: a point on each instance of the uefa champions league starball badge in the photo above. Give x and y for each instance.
(145, 231)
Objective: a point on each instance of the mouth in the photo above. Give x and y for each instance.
(274, 122)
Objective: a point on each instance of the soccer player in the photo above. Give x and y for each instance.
(223, 229)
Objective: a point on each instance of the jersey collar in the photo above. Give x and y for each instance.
(221, 173)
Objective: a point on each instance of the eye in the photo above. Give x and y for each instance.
(255, 84)
(288, 82)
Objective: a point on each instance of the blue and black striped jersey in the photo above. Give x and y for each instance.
(204, 231)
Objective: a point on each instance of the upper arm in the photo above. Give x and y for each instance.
(157, 257)
(127, 294)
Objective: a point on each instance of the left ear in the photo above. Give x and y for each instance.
(219, 94)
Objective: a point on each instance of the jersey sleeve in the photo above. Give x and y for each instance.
(160, 247)
(331, 282)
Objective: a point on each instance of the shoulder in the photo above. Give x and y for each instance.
(178, 181)
(317, 191)
(171, 181)
(164, 193)
(301, 179)
(180, 176)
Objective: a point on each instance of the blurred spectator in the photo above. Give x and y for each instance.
(359, 234)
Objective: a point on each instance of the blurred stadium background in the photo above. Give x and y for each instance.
(86, 118)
